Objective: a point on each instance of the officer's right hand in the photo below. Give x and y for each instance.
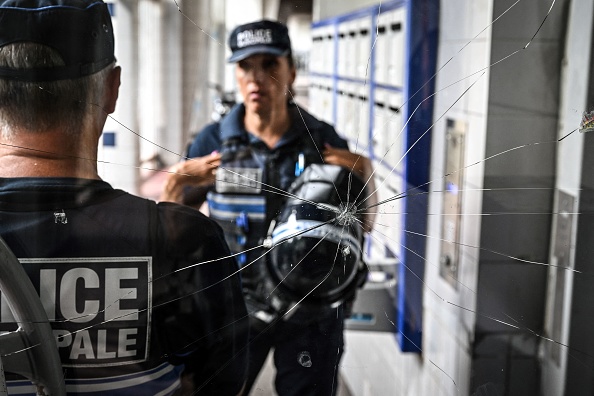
(193, 172)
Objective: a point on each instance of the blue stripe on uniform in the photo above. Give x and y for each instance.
(229, 207)
(162, 380)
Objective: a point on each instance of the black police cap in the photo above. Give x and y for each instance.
(80, 31)
(261, 37)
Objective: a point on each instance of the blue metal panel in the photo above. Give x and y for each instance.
(423, 21)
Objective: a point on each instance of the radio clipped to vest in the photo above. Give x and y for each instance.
(249, 194)
(237, 203)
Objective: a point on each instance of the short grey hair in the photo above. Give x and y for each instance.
(43, 105)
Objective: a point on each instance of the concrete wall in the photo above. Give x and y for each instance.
(559, 314)
(523, 111)
(570, 293)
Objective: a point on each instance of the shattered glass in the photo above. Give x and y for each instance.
(485, 261)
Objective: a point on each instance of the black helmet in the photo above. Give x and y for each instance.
(317, 239)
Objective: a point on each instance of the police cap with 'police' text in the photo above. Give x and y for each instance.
(261, 37)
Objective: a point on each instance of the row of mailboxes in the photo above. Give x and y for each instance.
(354, 48)
(322, 52)
(321, 98)
(390, 48)
(352, 114)
(345, 48)
(354, 87)
(365, 79)
(357, 80)
(373, 127)
(388, 133)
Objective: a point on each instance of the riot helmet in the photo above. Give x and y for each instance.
(315, 257)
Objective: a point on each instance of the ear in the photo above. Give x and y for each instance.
(112, 89)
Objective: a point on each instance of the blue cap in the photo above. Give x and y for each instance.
(261, 37)
(79, 30)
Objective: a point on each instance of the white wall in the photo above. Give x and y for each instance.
(151, 76)
(163, 51)
(202, 59)
(449, 330)
(117, 164)
(323, 9)
(239, 12)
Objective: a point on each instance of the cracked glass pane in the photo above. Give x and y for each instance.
(451, 239)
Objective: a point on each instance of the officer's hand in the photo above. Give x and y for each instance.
(358, 164)
(193, 172)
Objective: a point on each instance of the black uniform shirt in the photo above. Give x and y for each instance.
(136, 290)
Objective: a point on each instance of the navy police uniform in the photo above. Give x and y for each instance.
(247, 196)
(119, 280)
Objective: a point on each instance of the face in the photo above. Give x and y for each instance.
(264, 81)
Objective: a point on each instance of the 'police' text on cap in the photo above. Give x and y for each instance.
(261, 37)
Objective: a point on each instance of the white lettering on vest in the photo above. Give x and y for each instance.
(68, 304)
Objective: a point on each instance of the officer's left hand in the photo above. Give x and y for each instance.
(358, 164)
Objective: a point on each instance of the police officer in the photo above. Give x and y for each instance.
(250, 158)
(142, 296)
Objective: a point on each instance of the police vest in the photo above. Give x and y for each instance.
(249, 192)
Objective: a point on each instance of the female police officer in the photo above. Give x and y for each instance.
(254, 154)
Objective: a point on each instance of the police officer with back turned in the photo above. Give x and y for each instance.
(142, 297)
